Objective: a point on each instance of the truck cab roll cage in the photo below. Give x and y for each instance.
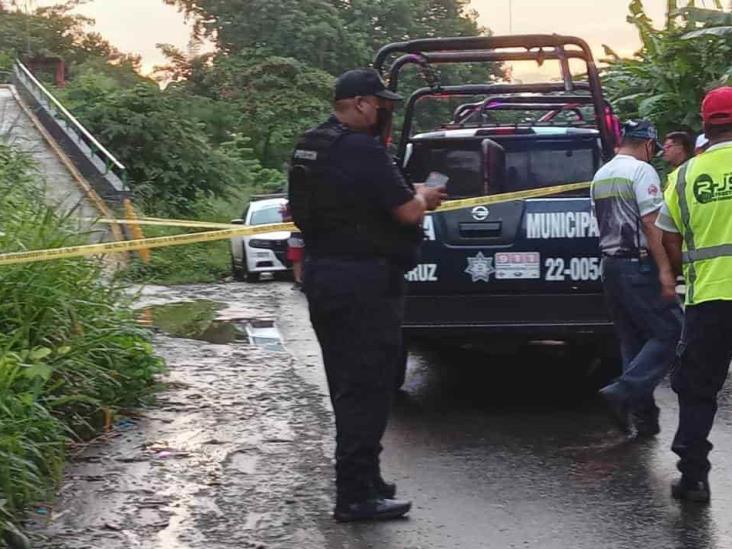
(484, 49)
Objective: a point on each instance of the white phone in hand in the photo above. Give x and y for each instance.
(436, 179)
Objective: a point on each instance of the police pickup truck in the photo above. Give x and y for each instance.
(528, 269)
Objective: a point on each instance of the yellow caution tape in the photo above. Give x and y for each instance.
(132, 245)
(510, 197)
(153, 221)
(226, 230)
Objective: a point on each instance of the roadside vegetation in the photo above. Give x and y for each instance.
(71, 351)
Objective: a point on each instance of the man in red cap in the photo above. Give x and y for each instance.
(697, 223)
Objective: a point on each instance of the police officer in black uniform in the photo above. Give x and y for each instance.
(361, 222)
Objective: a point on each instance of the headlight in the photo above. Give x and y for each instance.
(258, 243)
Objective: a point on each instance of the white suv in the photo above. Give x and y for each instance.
(261, 253)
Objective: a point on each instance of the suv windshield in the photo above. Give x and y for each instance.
(265, 216)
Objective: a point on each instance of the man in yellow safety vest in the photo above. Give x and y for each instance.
(697, 223)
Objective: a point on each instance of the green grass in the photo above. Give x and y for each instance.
(195, 263)
(70, 346)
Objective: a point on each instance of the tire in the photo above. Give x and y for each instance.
(237, 272)
(246, 276)
(401, 369)
(251, 277)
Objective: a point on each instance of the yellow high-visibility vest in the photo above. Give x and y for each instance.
(699, 199)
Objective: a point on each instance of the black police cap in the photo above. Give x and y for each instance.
(362, 82)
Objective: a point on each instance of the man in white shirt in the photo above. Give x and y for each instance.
(639, 284)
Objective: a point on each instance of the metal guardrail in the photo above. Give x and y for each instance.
(97, 153)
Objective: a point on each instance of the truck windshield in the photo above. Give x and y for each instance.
(521, 164)
(532, 169)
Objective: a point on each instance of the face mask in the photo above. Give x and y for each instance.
(382, 128)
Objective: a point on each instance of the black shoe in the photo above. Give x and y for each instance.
(372, 509)
(619, 407)
(690, 490)
(386, 490)
(646, 426)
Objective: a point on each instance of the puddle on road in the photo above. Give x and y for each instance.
(212, 321)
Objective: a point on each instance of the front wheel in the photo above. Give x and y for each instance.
(237, 272)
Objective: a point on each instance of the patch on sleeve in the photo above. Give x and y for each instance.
(305, 155)
(653, 190)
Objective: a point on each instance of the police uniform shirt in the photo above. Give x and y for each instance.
(623, 191)
(364, 183)
(364, 165)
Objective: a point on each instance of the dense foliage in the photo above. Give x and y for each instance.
(332, 35)
(70, 348)
(666, 80)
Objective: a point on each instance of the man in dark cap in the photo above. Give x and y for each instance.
(639, 284)
(361, 222)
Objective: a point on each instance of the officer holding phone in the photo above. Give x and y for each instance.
(362, 225)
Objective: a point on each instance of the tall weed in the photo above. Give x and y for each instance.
(70, 348)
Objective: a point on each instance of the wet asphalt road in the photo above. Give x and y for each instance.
(504, 451)
(495, 450)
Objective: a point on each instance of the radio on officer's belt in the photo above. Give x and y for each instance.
(436, 179)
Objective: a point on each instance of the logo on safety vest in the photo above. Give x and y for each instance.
(707, 190)
(480, 267)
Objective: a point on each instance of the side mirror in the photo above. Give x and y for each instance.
(237, 222)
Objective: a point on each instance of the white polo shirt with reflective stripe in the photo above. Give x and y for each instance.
(623, 191)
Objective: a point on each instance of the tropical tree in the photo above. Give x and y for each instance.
(666, 80)
(332, 35)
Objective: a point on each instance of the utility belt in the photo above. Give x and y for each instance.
(642, 257)
(637, 255)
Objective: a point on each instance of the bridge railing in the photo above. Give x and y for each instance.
(106, 174)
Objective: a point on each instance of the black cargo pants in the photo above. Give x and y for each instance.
(356, 308)
(703, 360)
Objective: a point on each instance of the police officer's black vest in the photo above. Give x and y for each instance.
(333, 219)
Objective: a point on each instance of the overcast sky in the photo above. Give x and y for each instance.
(137, 25)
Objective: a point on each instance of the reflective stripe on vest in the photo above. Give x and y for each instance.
(692, 253)
(687, 232)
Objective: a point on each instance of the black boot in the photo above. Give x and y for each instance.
(386, 490)
(646, 425)
(371, 509)
(618, 406)
(690, 490)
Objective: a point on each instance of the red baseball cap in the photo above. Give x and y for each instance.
(717, 106)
